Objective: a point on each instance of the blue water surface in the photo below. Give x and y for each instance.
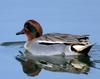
(64, 16)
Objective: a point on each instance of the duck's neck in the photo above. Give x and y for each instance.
(30, 37)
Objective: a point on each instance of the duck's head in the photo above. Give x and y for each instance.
(32, 29)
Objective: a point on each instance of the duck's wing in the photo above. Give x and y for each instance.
(63, 38)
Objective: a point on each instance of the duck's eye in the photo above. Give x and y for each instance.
(30, 27)
(27, 25)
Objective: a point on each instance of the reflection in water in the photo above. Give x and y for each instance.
(29, 66)
(73, 64)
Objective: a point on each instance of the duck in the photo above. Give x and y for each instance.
(50, 44)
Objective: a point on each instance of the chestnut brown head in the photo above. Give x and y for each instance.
(32, 29)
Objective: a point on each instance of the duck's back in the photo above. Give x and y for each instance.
(63, 38)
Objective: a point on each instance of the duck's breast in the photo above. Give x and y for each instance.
(45, 49)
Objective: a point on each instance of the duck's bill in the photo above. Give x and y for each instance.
(19, 33)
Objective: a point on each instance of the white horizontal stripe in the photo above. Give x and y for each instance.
(41, 41)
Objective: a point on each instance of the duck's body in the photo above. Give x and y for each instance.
(56, 44)
(53, 43)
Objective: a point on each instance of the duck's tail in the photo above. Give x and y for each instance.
(82, 49)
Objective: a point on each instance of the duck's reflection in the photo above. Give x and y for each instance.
(29, 66)
(73, 64)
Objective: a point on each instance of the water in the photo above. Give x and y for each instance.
(67, 16)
